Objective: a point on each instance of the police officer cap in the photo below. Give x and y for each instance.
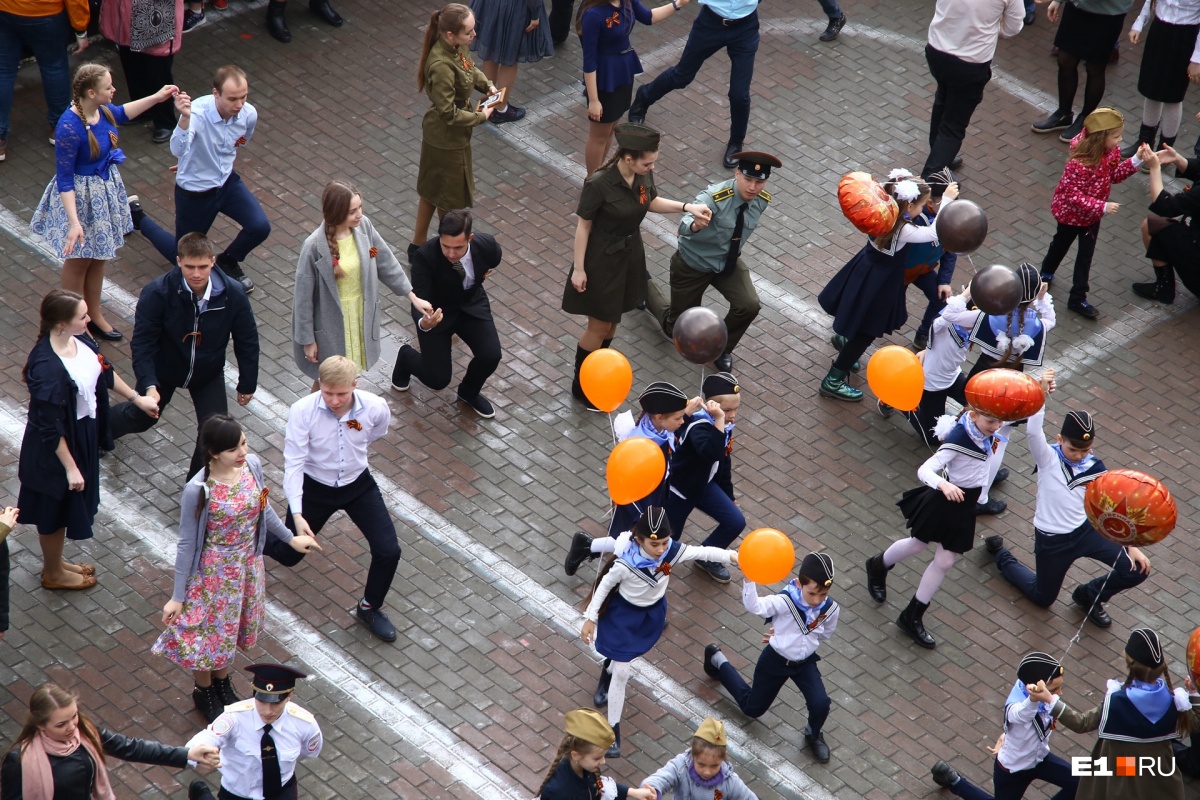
(712, 731)
(1078, 425)
(719, 384)
(818, 567)
(273, 683)
(1031, 281)
(661, 397)
(1038, 667)
(631, 136)
(590, 726)
(653, 524)
(1143, 647)
(756, 165)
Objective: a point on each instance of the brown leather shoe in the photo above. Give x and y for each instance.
(87, 583)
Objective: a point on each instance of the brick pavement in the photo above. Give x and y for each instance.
(490, 685)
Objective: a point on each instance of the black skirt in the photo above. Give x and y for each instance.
(614, 103)
(74, 511)
(1168, 51)
(933, 518)
(1087, 36)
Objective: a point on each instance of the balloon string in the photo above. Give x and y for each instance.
(1079, 633)
(612, 426)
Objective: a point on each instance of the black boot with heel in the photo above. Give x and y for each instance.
(877, 578)
(276, 24)
(911, 621)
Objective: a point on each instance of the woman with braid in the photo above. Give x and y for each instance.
(335, 310)
(84, 212)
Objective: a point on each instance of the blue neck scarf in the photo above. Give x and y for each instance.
(986, 442)
(634, 555)
(1079, 466)
(646, 428)
(710, 783)
(1153, 700)
(1012, 328)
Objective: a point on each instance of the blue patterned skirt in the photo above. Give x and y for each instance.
(103, 210)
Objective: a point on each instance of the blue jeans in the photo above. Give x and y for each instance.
(709, 34)
(196, 212)
(714, 502)
(1055, 554)
(770, 674)
(831, 8)
(47, 38)
(1012, 785)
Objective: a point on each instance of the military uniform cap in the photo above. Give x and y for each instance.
(1078, 425)
(632, 136)
(1038, 667)
(1145, 648)
(661, 397)
(719, 384)
(273, 683)
(712, 731)
(818, 567)
(756, 165)
(1103, 119)
(590, 726)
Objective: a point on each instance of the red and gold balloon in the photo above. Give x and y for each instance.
(1005, 394)
(1193, 657)
(1130, 507)
(864, 202)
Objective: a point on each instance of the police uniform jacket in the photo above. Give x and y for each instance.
(696, 459)
(238, 734)
(706, 249)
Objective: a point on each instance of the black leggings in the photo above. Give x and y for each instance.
(1068, 83)
(852, 351)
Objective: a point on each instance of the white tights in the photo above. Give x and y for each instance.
(616, 690)
(935, 573)
(1169, 115)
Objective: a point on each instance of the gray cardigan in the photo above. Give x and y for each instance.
(316, 307)
(675, 777)
(193, 527)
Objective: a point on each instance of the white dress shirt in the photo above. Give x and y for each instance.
(327, 449)
(1059, 508)
(238, 734)
(1024, 746)
(968, 29)
(207, 148)
(789, 640)
(469, 266)
(1173, 12)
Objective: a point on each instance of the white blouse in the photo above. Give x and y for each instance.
(84, 370)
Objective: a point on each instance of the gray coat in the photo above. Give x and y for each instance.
(674, 777)
(316, 308)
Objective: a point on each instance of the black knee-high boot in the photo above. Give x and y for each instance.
(576, 386)
(276, 24)
(911, 621)
(1163, 287)
(606, 343)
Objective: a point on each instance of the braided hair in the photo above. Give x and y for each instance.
(87, 78)
(1031, 284)
(569, 744)
(335, 207)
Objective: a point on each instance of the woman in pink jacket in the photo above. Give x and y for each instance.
(147, 34)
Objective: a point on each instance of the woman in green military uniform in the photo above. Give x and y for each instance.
(609, 273)
(445, 179)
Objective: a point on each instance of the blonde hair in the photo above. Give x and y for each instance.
(337, 371)
(88, 78)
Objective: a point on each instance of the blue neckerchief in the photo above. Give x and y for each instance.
(645, 427)
(977, 435)
(797, 596)
(1019, 693)
(710, 783)
(634, 555)
(1077, 466)
(1153, 700)
(1012, 328)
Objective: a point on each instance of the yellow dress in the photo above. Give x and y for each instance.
(350, 294)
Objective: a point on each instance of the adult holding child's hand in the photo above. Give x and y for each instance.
(1170, 232)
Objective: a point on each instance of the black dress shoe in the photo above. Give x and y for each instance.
(711, 650)
(990, 508)
(944, 774)
(1097, 614)
(198, 790)
(1084, 309)
(377, 623)
(724, 362)
(579, 552)
(113, 335)
(637, 111)
(956, 164)
(994, 544)
(817, 743)
(877, 578)
(325, 11)
(729, 161)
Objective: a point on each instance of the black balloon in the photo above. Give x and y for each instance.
(961, 226)
(996, 289)
(700, 335)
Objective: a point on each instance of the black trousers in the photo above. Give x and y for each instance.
(290, 791)
(363, 503)
(432, 366)
(562, 19)
(959, 91)
(145, 75)
(933, 405)
(1054, 555)
(770, 674)
(1064, 235)
(208, 397)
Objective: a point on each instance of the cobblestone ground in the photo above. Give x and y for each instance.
(469, 701)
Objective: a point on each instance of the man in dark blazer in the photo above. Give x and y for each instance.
(181, 329)
(449, 273)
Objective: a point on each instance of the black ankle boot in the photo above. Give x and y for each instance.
(1166, 141)
(600, 698)
(615, 750)
(576, 387)
(877, 578)
(1145, 135)
(1163, 288)
(205, 698)
(911, 622)
(579, 552)
(325, 11)
(224, 690)
(276, 24)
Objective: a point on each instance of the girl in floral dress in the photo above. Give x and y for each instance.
(218, 602)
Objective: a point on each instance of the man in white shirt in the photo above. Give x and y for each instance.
(962, 41)
(325, 471)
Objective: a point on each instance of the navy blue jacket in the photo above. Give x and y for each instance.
(564, 784)
(699, 447)
(52, 414)
(174, 344)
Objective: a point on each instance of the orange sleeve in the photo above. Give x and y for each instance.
(80, 13)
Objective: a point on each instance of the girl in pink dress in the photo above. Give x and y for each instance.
(218, 602)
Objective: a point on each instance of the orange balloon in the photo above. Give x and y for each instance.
(1193, 657)
(606, 378)
(635, 468)
(896, 377)
(766, 556)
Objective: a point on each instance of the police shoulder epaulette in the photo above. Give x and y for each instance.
(765, 195)
(723, 194)
(300, 713)
(241, 705)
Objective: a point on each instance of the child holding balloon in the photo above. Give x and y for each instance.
(627, 612)
(803, 616)
(866, 296)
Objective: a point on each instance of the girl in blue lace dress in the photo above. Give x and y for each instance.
(84, 212)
